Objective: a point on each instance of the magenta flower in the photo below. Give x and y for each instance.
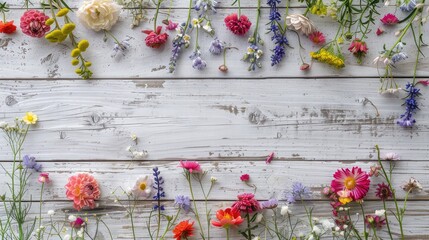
(383, 191)
(33, 23)
(354, 183)
(191, 166)
(269, 158)
(78, 223)
(245, 177)
(389, 19)
(170, 25)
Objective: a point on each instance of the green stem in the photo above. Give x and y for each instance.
(387, 221)
(131, 212)
(40, 207)
(364, 225)
(227, 233)
(111, 35)
(197, 216)
(258, 16)
(156, 14)
(249, 231)
(239, 9)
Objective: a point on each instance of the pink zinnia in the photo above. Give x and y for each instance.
(83, 190)
(33, 23)
(236, 25)
(317, 37)
(43, 178)
(155, 39)
(191, 166)
(246, 203)
(354, 183)
(389, 19)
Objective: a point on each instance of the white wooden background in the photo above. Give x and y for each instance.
(314, 121)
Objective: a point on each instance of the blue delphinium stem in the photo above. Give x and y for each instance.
(279, 32)
(411, 106)
(159, 194)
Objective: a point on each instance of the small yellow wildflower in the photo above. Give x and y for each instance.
(75, 61)
(30, 118)
(68, 28)
(319, 9)
(83, 45)
(49, 21)
(340, 40)
(88, 64)
(78, 71)
(75, 52)
(62, 12)
(327, 57)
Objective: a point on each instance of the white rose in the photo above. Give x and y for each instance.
(300, 23)
(99, 14)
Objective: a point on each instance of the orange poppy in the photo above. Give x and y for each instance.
(183, 230)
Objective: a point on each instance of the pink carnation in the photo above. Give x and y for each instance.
(245, 177)
(33, 23)
(191, 166)
(155, 39)
(83, 190)
(317, 37)
(236, 25)
(352, 183)
(389, 19)
(246, 203)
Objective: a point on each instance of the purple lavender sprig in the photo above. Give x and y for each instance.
(159, 189)
(279, 33)
(181, 40)
(411, 106)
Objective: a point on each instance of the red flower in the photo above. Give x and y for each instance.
(7, 27)
(78, 223)
(374, 221)
(245, 177)
(228, 217)
(246, 203)
(383, 191)
(155, 39)
(358, 48)
(238, 26)
(424, 82)
(317, 37)
(191, 166)
(379, 31)
(389, 19)
(183, 230)
(269, 158)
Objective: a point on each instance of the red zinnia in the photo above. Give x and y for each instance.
(389, 19)
(228, 217)
(155, 39)
(246, 203)
(183, 230)
(238, 26)
(7, 27)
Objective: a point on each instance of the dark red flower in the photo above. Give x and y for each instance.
(155, 39)
(238, 26)
(7, 27)
(246, 203)
(383, 191)
(374, 221)
(78, 223)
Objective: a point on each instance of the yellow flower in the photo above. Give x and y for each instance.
(62, 12)
(49, 21)
(83, 45)
(75, 52)
(30, 118)
(88, 64)
(68, 28)
(327, 57)
(75, 61)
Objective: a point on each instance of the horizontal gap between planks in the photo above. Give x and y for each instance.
(173, 78)
(208, 160)
(174, 8)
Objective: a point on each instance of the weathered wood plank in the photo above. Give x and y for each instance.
(272, 180)
(415, 221)
(322, 119)
(53, 61)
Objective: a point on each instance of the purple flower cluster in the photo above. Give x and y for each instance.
(179, 42)
(270, 204)
(299, 191)
(159, 189)
(411, 106)
(30, 163)
(183, 202)
(278, 37)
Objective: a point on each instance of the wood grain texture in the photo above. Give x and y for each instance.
(313, 119)
(273, 180)
(415, 227)
(53, 61)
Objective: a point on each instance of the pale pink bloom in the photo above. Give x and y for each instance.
(391, 156)
(43, 178)
(269, 158)
(83, 189)
(191, 166)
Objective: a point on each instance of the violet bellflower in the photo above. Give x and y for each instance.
(278, 37)
(30, 163)
(408, 5)
(159, 181)
(299, 191)
(183, 202)
(411, 106)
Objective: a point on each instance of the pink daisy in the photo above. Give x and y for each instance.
(389, 19)
(317, 37)
(191, 166)
(354, 183)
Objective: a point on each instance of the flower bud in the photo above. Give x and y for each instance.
(68, 28)
(62, 12)
(304, 67)
(83, 45)
(75, 61)
(223, 68)
(75, 52)
(50, 21)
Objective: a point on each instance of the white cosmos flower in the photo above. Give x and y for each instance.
(99, 14)
(143, 187)
(300, 23)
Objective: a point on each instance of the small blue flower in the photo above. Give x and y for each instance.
(216, 47)
(122, 47)
(30, 163)
(279, 37)
(411, 106)
(399, 57)
(299, 191)
(199, 64)
(159, 181)
(183, 202)
(408, 7)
